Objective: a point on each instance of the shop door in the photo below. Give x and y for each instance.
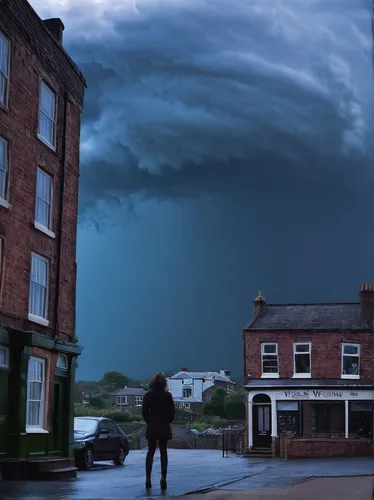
(262, 426)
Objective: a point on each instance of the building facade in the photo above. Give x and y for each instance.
(310, 377)
(41, 100)
(128, 398)
(191, 390)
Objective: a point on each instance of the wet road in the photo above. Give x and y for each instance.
(189, 471)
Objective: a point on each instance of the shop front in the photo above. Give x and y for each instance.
(310, 422)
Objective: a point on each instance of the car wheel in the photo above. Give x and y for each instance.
(120, 457)
(87, 461)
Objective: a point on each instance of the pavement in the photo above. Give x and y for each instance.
(195, 471)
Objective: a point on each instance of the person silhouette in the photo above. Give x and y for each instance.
(158, 413)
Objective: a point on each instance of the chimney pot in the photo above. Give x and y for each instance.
(184, 369)
(56, 27)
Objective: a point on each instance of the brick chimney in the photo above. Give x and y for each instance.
(259, 304)
(56, 27)
(184, 369)
(367, 297)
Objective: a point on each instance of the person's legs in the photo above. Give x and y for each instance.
(164, 458)
(149, 460)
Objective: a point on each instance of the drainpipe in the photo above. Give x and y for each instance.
(60, 216)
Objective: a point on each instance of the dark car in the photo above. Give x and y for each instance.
(98, 439)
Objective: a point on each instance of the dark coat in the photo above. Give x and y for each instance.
(158, 412)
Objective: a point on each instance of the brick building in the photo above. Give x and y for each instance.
(41, 99)
(310, 377)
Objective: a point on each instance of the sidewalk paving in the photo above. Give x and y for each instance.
(332, 488)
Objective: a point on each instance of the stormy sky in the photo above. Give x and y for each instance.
(226, 147)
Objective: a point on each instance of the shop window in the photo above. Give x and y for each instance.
(35, 394)
(361, 420)
(328, 418)
(288, 417)
(351, 361)
(302, 359)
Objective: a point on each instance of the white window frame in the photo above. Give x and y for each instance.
(265, 374)
(6, 350)
(40, 427)
(302, 375)
(4, 200)
(62, 362)
(351, 344)
(41, 320)
(121, 400)
(4, 103)
(138, 401)
(53, 119)
(187, 406)
(37, 224)
(178, 404)
(187, 389)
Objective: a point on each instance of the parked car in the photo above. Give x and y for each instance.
(98, 439)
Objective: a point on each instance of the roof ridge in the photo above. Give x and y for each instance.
(285, 304)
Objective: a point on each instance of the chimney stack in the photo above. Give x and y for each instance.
(56, 27)
(367, 297)
(184, 369)
(259, 304)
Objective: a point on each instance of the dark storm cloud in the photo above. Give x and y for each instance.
(193, 97)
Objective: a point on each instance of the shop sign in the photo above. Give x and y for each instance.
(324, 394)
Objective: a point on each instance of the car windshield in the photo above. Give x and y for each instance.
(84, 426)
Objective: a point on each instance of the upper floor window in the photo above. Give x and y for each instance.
(302, 359)
(188, 381)
(187, 392)
(4, 69)
(269, 358)
(4, 169)
(38, 298)
(351, 361)
(47, 115)
(43, 200)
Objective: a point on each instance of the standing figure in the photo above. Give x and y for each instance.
(158, 413)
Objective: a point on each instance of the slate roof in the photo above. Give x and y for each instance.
(325, 316)
(305, 383)
(201, 375)
(130, 391)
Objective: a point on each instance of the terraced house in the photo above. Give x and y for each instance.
(309, 374)
(41, 100)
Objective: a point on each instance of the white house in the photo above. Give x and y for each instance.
(190, 390)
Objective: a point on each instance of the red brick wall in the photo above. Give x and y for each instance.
(326, 352)
(307, 448)
(35, 55)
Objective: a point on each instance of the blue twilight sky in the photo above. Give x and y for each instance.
(226, 148)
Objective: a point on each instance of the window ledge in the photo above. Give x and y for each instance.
(356, 377)
(38, 319)
(270, 375)
(47, 143)
(302, 375)
(5, 204)
(36, 430)
(44, 229)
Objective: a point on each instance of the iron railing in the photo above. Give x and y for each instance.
(233, 441)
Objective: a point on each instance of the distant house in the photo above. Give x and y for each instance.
(128, 398)
(191, 390)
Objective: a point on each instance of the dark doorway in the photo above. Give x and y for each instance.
(261, 421)
(59, 418)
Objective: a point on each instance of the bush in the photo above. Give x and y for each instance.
(118, 416)
(86, 411)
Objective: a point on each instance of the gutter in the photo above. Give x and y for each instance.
(60, 218)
